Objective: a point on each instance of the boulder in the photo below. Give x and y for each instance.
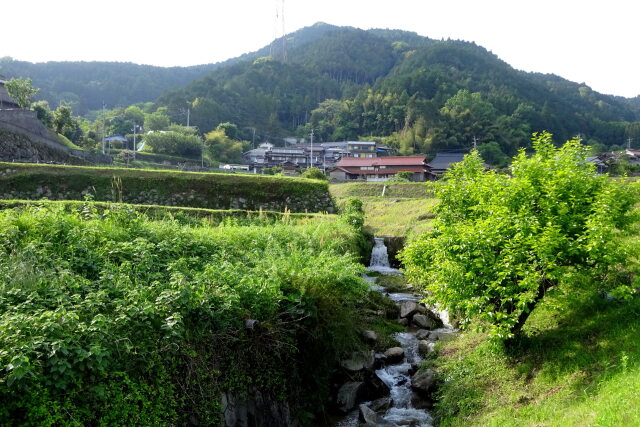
(408, 309)
(370, 417)
(422, 334)
(370, 337)
(424, 381)
(359, 360)
(442, 334)
(403, 322)
(381, 404)
(348, 396)
(394, 355)
(426, 347)
(424, 321)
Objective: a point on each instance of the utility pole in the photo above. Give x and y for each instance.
(311, 154)
(188, 112)
(629, 143)
(104, 125)
(475, 142)
(253, 138)
(134, 139)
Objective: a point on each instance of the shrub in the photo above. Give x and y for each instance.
(108, 317)
(314, 173)
(500, 243)
(174, 143)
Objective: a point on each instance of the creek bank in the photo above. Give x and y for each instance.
(385, 385)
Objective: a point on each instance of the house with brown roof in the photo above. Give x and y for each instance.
(380, 168)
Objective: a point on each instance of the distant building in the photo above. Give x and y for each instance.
(6, 102)
(444, 161)
(235, 168)
(325, 155)
(380, 168)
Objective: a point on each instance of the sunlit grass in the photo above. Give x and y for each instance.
(578, 365)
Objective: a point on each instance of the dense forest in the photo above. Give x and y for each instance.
(85, 86)
(416, 94)
(413, 93)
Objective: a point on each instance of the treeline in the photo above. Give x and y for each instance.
(86, 86)
(413, 93)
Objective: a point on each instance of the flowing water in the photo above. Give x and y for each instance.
(380, 259)
(396, 377)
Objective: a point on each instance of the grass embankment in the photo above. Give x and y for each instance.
(183, 215)
(170, 188)
(112, 318)
(577, 364)
(404, 210)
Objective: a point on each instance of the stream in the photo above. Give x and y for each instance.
(397, 376)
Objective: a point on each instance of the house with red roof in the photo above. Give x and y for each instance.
(380, 168)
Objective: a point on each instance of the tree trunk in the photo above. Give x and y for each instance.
(545, 285)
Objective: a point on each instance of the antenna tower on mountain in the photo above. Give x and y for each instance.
(279, 24)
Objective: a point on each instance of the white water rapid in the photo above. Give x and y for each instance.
(396, 377)
(380, 259)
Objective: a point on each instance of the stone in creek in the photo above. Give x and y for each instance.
(424, 321)
(426, 347)
(403, 322)
(381, 404)
(369, 416)
(442, 335)
(359, 360)
(408, 309)
(348, 395)
(394, 355)
(422, 334)
(424, 381)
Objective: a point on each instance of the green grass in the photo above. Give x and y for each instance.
(184, 215)
(416, 190)
(404, 211)
(578, 365)
(114, 318)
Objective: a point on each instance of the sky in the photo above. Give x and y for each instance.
(586, 41)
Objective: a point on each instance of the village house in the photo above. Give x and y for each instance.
(380, 168)
(444, 161)
(325, 155)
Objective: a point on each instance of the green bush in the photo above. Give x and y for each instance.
(314, 173)
(174, 143)
(111, 318)
(500, 243)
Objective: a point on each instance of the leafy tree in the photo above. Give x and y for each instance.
(43, 113)
(314, 173)
(65, 124)
(158, 120)
(219, 147)
(22, 90)
(230, 129)
(492, 154)
(501, 243)
(174, 143)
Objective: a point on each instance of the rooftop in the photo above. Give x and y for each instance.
(382, 161)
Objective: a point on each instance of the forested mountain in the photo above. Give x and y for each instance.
(415, 93)
(86, 85)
